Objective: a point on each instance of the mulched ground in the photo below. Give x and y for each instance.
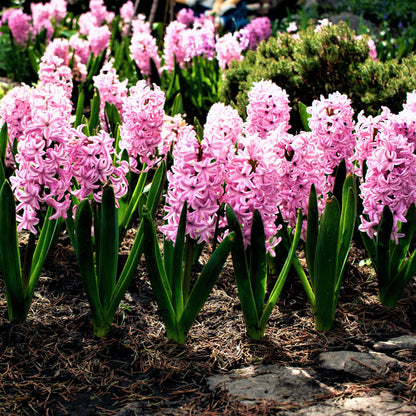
(53, 364)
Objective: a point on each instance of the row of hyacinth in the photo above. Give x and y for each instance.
(252, 164)
(186, 37)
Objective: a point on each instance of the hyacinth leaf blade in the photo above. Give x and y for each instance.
(2, 174)
(258, 262)
(340, 177)
(4, 138)
(10, 257)
(312, 230)
(94, 114)
(275, 293)
(204, 284)
(157, 276)
(46, 237)
(129, 208)
(177, 278)
(109, 244)
(85, 257)
(154, 73)
(346, 231)
(325, 265)
(346, 228)
(394, 290)
(168, 250)
(177, 106)
(304, 116)
(401, 249)
(80, 108)
(287, 241)
(242, 277)
(112, 118)
(152, 202)
(383, 253)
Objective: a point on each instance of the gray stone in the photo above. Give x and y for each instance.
(383, 404)
(397, 343)
(361, 364)
(352, 19)
(269, 382)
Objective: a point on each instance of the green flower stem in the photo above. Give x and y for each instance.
(187, 273)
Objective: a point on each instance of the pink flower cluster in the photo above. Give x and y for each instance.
(257, 30)
(268, 109)
(110, 89)
(390, 180)
(298, 165)
(228, 48)
(332, 123)
(96, 17)
(143, 46)
(44, 170)
(251, 184)
(367, 129)
(93, 166)
(19, 24)
(405, 121)
(222, 131)
(14, 107)
(199, 172)
(62, 49)
(195, 178)
(183, 43)
(52, 70)
(44, 14)
(143, 115)
(99, 39)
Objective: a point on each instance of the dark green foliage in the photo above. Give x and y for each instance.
(320, 64)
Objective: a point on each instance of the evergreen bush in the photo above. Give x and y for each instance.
(320, 62)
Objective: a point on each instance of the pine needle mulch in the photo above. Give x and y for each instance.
(53, 365)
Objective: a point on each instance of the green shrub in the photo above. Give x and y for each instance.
(318, 64)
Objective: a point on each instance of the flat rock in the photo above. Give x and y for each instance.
(397, 343)
(383, 404)
(269, 382)
(361, 364)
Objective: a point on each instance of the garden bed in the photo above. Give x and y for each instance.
(53, 364)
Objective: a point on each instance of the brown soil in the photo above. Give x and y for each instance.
(53, 364)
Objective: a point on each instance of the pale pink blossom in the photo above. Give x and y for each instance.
(110, 89)
(99, 39)
(228, 48)
(268, 108)
(390, 180)
(332, 123)
(142, 122)
(19, 24)
(251, 184)
(194, 178)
